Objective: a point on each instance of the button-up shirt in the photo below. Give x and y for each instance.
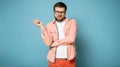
(50, 38)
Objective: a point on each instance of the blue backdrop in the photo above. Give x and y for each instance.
(98, 38)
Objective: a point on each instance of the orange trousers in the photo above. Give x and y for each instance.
(63, 63)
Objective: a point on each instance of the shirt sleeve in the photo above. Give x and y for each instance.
(46, 35)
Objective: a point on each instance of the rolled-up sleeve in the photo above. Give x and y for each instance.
(46, 35)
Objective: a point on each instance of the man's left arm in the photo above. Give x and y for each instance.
(69, 38)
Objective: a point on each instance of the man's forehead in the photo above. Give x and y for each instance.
(60, 8)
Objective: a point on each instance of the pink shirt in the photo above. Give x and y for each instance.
(50, 38)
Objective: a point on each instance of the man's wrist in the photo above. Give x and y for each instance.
(42, 27)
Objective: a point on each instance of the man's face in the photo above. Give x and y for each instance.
(59, 14)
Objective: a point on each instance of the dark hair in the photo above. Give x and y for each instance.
(60, 4)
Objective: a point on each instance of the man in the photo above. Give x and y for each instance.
(60, 35)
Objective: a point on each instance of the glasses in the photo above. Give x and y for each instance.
(61, 12)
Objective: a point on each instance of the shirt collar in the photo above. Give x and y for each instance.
(54, 21)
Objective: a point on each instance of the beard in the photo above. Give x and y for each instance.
(59, 20)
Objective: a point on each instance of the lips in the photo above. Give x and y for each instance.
(59, 16)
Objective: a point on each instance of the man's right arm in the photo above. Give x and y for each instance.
(45, 32)
(46, 35)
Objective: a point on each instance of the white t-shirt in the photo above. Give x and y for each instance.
(61, 50)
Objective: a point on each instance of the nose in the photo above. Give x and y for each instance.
(59, 13)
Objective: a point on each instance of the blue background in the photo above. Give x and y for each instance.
(98, 38)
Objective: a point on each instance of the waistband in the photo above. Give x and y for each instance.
(61, 58)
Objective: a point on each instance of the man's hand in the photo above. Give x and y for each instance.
(55, 43)
(38, 23)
